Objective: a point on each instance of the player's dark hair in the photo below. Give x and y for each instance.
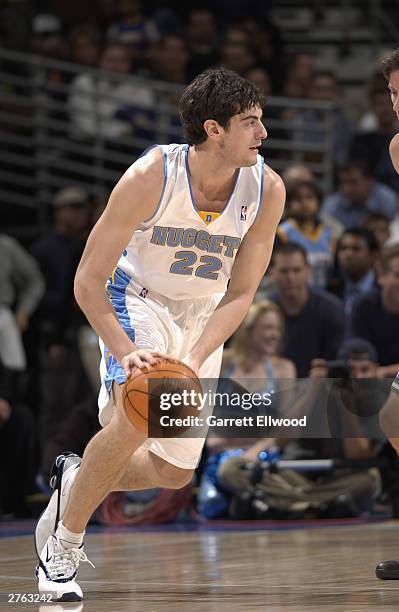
(390, 63)
(216, 94)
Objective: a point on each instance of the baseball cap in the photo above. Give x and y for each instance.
(45, 23)
(70, 196)
(355, 346)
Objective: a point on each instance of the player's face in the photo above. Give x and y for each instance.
(266, 333)
(393, 87)
(243, 138)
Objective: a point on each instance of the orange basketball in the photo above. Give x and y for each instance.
(144, 389)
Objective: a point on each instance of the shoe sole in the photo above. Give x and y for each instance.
(386, 575)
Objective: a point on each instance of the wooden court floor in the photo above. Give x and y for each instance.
(329, 569)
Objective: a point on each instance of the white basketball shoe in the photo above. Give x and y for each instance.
(63, 474)
(57, 570)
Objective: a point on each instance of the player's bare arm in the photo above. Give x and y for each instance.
(133, 200)
(252, 260)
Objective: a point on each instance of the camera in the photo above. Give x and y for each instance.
(337, 369)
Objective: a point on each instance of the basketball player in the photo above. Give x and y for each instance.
(389, 570)
(182, 222)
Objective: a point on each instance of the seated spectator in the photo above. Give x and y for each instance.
(297, 172)
(59, 319)
(132, 29)
(299, 74)
(253, 361)
(375, 316)
(269, 48)
(359, 194)
(21, 289)
(17, 448)
(120, 109)
(354, 400)
(85, 45)
(313, 122)
(376, 84)
(356, 256)
(203, 42)
(378, 224)
(373, 147)
(236, 52)
(314, 320)
(304, 227)
(168, 59)
(260, 78)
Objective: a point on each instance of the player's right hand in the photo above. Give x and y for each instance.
(140, 359)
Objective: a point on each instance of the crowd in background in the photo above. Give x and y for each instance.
(332, 290)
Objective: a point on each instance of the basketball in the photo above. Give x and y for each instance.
(144, 389)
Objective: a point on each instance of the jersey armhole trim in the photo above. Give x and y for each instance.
(262, 169)
(165, 178)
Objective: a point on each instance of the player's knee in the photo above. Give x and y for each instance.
(178, 478)
(171, 476)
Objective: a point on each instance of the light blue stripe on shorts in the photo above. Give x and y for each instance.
(116, 290)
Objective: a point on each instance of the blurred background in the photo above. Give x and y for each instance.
(85, 87)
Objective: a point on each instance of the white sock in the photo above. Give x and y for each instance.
(68, 538)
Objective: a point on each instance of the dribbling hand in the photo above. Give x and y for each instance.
(139, 359)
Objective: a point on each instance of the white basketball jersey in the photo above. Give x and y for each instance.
(178, 254)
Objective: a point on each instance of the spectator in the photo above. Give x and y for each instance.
(355, 400)
(202, 41)
(359, 194)
(378, 225)
(132, 29)
(59, 319)
(314, 320)
(260, 78)
(375, 316)
(373, 147)
(21, 288)
(17, 448)
(269, 48)
(356, 255)
(299, 74)
(313, 123)
(110, 108)
(376, 84)
(236, 51)
(169, 59)
(58, 254)
(85, 45)
(297, 172)
(253, 361)
(303, 226)
(47, 40)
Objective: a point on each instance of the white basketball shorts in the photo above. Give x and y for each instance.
(157, 323)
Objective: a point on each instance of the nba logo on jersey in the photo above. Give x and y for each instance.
(208, 218)
(144, 292)
(243, 215)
